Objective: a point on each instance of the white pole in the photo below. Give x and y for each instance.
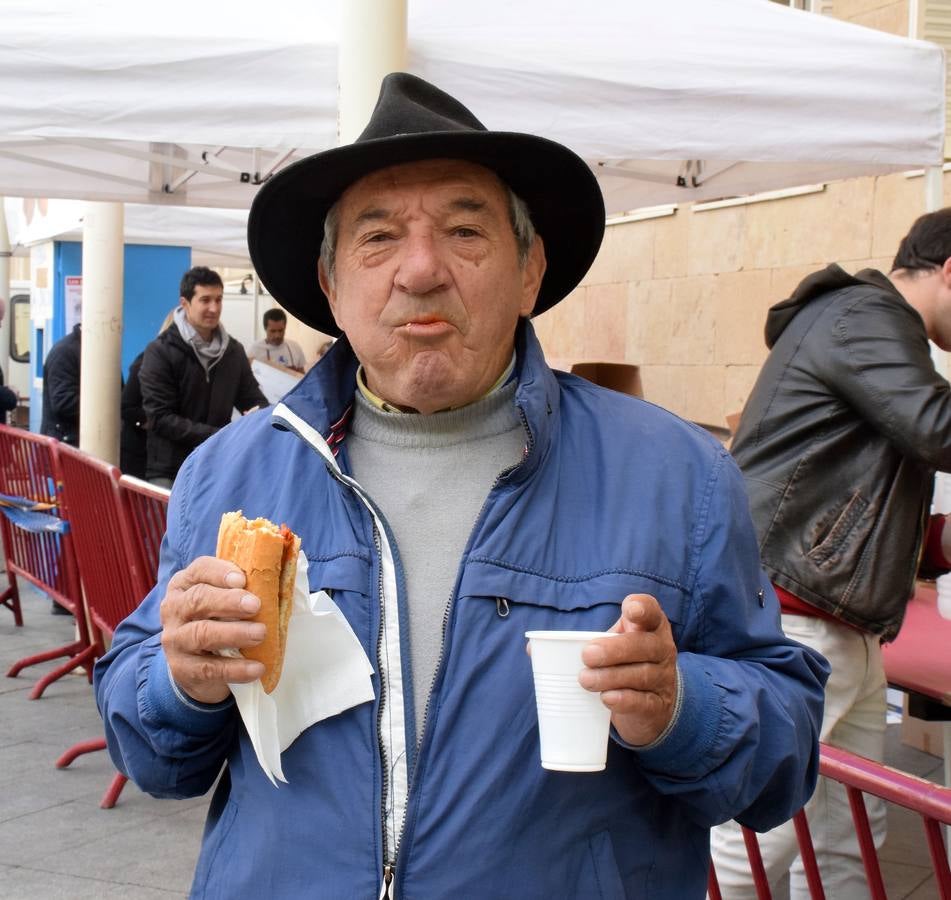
(258, 331)
(934, 188)
(101, 360)
(934, 200)
(5, 311)
(372, 44)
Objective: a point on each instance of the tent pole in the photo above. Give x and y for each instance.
(258, 330)
(5, 311)
(101, 359)
(934, 188)
(372, 44)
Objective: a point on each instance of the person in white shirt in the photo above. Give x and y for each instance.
(273, 348)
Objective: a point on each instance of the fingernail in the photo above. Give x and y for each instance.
(234, 579)
(593, 655)
(250, 603)
(256, 631)
(587, 679)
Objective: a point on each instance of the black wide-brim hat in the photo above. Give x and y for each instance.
(413, 121)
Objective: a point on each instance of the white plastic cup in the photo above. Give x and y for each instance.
(573, 723)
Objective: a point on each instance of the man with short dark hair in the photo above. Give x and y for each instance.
(192, 378)
(452, 492)
(839, 442)
(273, 347)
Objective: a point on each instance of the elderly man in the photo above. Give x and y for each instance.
(452, 492)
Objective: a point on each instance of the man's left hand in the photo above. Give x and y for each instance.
(635, 672)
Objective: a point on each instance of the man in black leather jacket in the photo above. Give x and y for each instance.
(193, 376)
(839, 443)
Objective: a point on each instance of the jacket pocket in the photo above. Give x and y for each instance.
(831, 544)
(602, 878)
(205, 886)
(589, 602)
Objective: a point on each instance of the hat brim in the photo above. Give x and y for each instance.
(286, 222)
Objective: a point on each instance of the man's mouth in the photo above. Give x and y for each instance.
(423, 326)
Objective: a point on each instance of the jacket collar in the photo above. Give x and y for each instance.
(324, 395)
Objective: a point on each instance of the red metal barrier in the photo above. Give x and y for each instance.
(145, 507)
(29, 468)
(863, 776)
(111, 575)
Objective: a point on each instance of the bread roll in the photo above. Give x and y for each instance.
(268, 557)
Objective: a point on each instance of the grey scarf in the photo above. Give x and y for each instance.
(208, 352)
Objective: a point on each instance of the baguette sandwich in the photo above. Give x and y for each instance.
(268, 557)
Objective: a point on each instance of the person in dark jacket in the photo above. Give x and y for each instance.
(8, 397)
(8, 400)
(838, 444)
(193, 376)
(61, 389)
(133, 439)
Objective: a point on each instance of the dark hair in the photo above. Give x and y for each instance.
(195, 276)
(274, 315)
(928, 244)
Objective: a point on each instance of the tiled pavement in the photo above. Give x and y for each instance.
(55, 841)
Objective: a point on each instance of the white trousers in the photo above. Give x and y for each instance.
(853, 720)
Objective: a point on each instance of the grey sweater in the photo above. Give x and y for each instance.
(429, 476)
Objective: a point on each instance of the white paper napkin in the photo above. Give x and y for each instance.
(325, 672)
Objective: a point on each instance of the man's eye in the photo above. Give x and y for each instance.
(465, 231)
(377, 237)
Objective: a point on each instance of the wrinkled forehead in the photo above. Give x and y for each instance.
(440, 179)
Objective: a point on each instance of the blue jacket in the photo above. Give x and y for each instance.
(614, 496)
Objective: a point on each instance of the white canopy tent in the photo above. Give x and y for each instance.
(667, 102)
(217, 237)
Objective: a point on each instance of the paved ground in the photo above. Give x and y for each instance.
(55, 841)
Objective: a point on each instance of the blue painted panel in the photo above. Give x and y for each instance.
(150, 282)
(150, 288)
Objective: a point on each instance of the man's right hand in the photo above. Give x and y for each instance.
(204, 610)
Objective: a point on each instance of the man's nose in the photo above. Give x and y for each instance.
(422, 269)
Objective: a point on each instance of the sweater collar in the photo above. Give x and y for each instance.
(324, 396)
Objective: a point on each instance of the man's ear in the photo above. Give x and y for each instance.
(183, 302)
(327, 286)
(946, 272)
(532, 274)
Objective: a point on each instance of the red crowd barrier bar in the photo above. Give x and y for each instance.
(863, 776)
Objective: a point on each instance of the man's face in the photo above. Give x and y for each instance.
(427, 284)
(274, 332)
(204, 309)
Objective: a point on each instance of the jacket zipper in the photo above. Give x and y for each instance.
(388, 862)
(314, 439)
(387, 882)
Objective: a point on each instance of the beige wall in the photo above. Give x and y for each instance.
(685, 296)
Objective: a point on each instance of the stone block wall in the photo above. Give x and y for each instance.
(685, 296)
